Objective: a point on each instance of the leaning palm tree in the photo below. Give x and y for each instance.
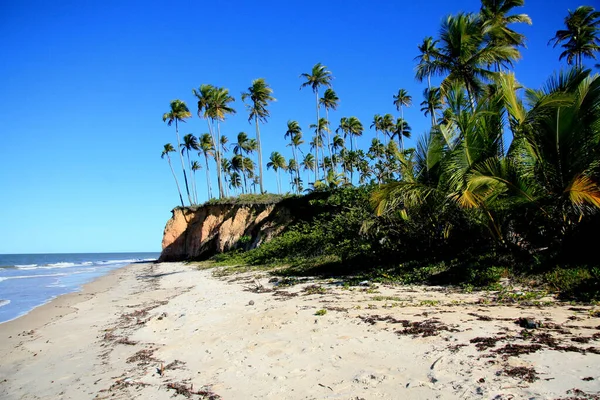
(179, 112)
(294, 132)
(190, 143)
(329, 101)
(207, 150)
(166, 150)
(581, 38)
(277, 162)
(401, 99)
(260, 94)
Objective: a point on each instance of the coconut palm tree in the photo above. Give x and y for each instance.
(243, 146)
(377, 119)
(319, 76)
(387, 125)
(195, 167)
(308, 164)
(426, 60)
(226, 168)
(293, 169)
(464, 55)
(294, 133)
(495, 20)
(260, 95)
(213, 104)
(179, 112)
(402, 99)
(322, 126)
(190, 143)
(277, 162)
(402, 130)
(168, 148)
(329, 101)
(207, 150)
(355, 129)
(581, 38)
(432, 103)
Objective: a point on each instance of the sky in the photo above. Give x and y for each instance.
(84, 85)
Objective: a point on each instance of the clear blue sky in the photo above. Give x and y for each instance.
(84, 85)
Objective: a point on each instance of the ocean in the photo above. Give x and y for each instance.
(30, 280)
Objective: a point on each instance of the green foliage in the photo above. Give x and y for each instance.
(321, 312)
(580, 283)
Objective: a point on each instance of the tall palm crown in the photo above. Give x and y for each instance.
(402, 98)
(464, 55)
(426, 60)
(495, 20)
(581, 38)
(329, 100)
(260, 95)
(431, 103)
(319, 76)
(168, 148)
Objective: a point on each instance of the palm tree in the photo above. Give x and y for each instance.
(322, 126)
(205, 94)
(260, 94)
(166, 150)
(377, 124)
(432, 102)
(207, 150)
(235, 180)
(293, 169)
(213, 104)
(495, 20)
(402, 130)
(319, 76)
(294, 132)
(401, 99)
(308, 164)
(581, 38)
(190, 143)
(355, 129)
(426, 59)
(243, 146)
(277, 162)
(387, 125)
(329, 101)
(195, 167)
(464, 55)
(226, 168)
(179, 112)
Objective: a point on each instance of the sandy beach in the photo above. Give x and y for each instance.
(158, 331)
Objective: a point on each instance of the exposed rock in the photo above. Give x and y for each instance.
(200, 232)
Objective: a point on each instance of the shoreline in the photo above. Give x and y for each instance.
(158, 330)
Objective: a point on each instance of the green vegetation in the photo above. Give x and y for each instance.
(504, 184)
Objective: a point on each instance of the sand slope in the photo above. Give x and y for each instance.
(154, 331)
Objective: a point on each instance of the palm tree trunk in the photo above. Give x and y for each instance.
(260, 168)
(218, 157)
(208, 178)
(328, 137)
(401, 139)
(244, 188)
(297, 169)
(192, 176)
(316, 150)
(182, 164)
(176, 182)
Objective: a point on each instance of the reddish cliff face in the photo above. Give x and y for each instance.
(200, 232)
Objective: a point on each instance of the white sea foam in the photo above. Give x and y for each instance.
(25, 266)
(4, 278)
(4, 302)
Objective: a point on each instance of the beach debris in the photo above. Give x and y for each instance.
(484, 343)
(526, 374)
(578, 394)
(143, 357)
(251, 303)
(588, 378)
(184, 390)
(363, 283)
(528, 323)
(518, 349)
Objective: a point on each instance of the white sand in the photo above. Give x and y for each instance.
(80, 346)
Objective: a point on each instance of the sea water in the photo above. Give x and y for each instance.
(30, 280)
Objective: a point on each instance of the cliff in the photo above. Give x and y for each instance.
(199, 232)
